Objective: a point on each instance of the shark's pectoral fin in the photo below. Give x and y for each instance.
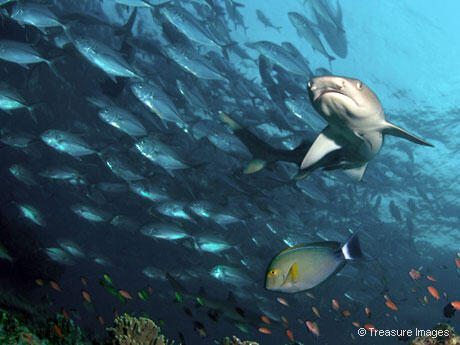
(392, 129)
(323, 145)
(356, 173)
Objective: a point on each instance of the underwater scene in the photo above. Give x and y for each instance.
(229, 172)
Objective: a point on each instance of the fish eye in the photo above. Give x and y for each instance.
(273, 273)
(359, 85)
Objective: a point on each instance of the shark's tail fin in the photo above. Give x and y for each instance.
(392, 129)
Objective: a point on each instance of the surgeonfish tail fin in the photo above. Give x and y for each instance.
(352, 249)
(392, 129)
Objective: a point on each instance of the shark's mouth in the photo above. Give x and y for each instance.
(322, 93)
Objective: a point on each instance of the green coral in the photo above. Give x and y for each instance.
(445, 336)
(136, 331)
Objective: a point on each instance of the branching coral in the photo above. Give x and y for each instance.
(236, 341)
(136, 331)
(441, 335)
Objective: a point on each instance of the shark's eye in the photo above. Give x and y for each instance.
(359, 85)
(272, 273)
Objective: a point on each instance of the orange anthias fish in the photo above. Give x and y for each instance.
(316, 311)
(55, 286)
(356, 324)
(414, 274)
(433, 292)
(431, 278)
(346, 313)
(101, 320)
(369, 327)
(335, 305)
(425, 299)
(391, 305)
(264, 330)
(282, 301)
(312, 327)
(455, 304)
(39, 282)
(64, 313)
(368, 312)
(265, 319)
(457, 262)
(309, 294)
(58, 331)
(125, 294)
(83, 281)
(290, 335)
(86, 296)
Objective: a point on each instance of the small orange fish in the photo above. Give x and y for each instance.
(457, 262)
(86, 296)
(83, 281)
(150, 290)
(101, 320)
(27, 336)
(264, 330)
(425, 299)
(316, 311)
(39, 282)
(386, 297)
(346, 313)
(433, 279)
(433, 292)
(265, 319)
(282, 301)
(64, 313)
(369, 327)
(290, 335)
(455, 304)
(312, 327)
(125, 294)
(335, 305)
(356, 324)
(368, 312)
(55, 286)
(309, 294)
(391, 305)
(285, 321)
(58, 331)
(414, 274)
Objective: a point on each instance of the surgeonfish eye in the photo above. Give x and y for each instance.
(272, 273)
(359, 85)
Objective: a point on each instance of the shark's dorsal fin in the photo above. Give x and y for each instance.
(323, 145)
(392, 129)
(356, 173)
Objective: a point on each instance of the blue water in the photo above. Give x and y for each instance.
(406, 52)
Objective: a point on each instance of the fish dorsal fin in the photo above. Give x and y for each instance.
(323, 145)
(356, 173)
(231, 298)
(396, 131)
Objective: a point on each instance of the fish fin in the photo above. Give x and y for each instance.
(292, 276)
(254, 166)
(229, 121)
(396, 131)
(356, 173)
(352, 249)
(322, 145)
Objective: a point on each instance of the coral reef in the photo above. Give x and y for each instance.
(236, 341)
(442, 335)
(136, 331)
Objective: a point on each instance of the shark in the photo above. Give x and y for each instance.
(227, 309)
(356, 126)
